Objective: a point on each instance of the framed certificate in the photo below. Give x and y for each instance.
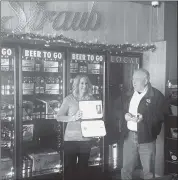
(91, 109)
(93, 128)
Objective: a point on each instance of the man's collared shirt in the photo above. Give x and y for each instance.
(133, 107)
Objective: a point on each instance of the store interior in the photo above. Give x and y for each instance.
(45, 45)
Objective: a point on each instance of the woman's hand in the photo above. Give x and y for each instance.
(78, 115)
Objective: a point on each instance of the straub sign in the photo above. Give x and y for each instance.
(59, 20)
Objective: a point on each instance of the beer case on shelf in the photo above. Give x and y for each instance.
(28, 132)
(6, 168)
(45, 162)
(47, 109)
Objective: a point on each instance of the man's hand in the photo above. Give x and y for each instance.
(130, 117)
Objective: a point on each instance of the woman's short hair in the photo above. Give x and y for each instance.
(75, 86)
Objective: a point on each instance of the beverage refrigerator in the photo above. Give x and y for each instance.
(34, 80)
(91, 63)
(120, 66)
(8, 106)
(32, 89)
(42, 84)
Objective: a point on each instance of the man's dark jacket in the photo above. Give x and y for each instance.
(153, 107)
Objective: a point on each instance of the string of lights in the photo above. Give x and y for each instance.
(61, 39)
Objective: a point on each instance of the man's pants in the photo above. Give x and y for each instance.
(131, 151)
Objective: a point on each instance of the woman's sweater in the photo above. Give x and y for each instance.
(66, 113)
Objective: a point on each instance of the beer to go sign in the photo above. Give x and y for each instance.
(42, 54)
(7, 52)
(87, 57)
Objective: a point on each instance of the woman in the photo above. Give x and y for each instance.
(76, 147)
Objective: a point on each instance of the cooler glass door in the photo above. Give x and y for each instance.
(91, 64)
(7, 111)
(42, 94)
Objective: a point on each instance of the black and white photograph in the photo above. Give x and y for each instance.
(88, 90)
(98, 109)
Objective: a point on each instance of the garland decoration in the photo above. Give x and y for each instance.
(62, 40)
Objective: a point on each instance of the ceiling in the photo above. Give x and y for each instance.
(143, 2)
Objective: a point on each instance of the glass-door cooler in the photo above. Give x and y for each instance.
(42, 81)
(119, 77)
(91, 64)
(7, 112)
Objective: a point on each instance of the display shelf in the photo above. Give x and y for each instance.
(4, 96)
(51, 176)
(89, 74)
(57, 169)
(9, 177)
(37, 73)
(174, 162)
(171, 168)
(5, 121)
(42, 94)
(7, 110)
(170, 138)
(171, 148)
(46, 133)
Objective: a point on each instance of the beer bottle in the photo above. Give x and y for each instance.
(2, 87)
(42, 84)
(7, 88)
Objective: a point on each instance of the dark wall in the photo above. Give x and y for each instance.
(170, 36)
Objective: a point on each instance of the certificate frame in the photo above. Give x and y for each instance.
(91, 109)
(93, 128)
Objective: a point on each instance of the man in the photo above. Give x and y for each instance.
(144, 114)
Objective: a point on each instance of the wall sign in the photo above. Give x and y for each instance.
(87, 57)
(124, 59)
(7, 60)
(41, 54)
(60, 20)
(7, 52)
(86, 63)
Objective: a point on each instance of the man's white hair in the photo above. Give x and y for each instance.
(144, 71)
